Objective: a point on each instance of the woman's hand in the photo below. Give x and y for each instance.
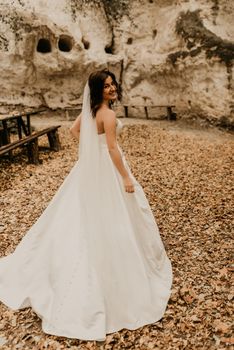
(128, 184)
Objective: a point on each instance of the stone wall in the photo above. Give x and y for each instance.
(163, 51)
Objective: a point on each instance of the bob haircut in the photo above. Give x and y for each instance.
(96, 85)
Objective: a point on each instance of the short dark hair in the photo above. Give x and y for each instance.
(96, 85)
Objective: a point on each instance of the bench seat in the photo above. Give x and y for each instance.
(170, 114)
(31, 141)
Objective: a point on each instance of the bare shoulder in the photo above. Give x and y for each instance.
(108, 116)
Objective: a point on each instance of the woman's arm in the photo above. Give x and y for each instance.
(110, 129)
(75, 128)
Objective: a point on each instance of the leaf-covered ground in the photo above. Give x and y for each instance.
(187, 175)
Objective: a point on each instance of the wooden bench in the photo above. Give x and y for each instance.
(31, 142)
(170, 114)
(3, 135)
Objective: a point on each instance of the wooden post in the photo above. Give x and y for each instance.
(1, 137)
(170, 114)
(6, 136)
(23, 126)
(29, 124)
(33, 151)
(126, 111)
(146, 112)
(19, 127)
(54, 142)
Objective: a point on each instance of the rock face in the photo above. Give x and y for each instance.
(163, 52)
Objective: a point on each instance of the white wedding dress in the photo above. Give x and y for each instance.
(93, 263)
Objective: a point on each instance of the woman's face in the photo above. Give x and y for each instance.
(109, 91)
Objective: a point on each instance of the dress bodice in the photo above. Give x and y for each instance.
(119, 126)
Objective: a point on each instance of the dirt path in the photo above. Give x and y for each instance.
(187, 175)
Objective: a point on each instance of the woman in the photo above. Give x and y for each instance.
(101, 99)
(94, 262)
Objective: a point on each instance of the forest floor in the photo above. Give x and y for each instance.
(186, 172)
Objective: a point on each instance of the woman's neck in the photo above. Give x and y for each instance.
(106, 104)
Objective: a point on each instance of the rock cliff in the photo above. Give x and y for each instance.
(163, 52)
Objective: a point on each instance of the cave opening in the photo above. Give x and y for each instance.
(154, 33)
(109, 49)
(65, 43)
(44, 45)
(129, 41)
(86, 43)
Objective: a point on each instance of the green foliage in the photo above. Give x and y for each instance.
(191, 28)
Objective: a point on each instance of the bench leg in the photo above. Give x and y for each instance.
(5, 135)
(126, 111)
(4, 138)
(146, 112)
(170, 115)
(33, 152)
(54, 142)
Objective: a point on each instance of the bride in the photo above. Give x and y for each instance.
(93, 263)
